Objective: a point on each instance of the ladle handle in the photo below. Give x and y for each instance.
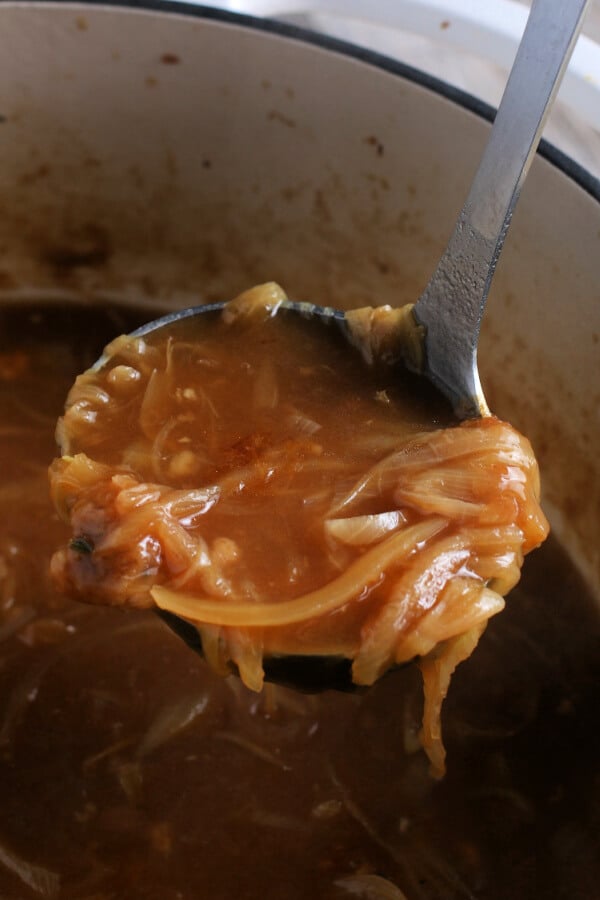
(452, 304)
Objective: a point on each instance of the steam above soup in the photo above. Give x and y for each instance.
(284, 487)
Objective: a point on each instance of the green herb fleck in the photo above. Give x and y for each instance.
(81, 545)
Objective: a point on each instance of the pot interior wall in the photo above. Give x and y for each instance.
(165, 159)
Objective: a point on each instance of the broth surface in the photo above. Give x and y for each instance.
(127, 769)
(272, 418)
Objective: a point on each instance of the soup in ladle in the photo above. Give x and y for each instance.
(291, 490)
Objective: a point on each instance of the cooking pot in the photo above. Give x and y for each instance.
(169, 153)
(164, 154)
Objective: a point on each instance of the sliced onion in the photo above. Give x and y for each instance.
(21, 616)
(301, 424)
(364, 571)
(360, 530)
(370, 887)
(266, 387)
(38, 878)
(171, 721)
(251, 747)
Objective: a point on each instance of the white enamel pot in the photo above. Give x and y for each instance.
(165, 153)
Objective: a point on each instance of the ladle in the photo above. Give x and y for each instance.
(451, 306)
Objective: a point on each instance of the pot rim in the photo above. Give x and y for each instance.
(557, 158)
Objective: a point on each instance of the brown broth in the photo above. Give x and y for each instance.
(278, 795)
(281, 415)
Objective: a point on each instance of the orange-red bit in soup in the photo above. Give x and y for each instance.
(251, 472)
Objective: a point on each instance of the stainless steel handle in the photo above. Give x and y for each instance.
(452, 304)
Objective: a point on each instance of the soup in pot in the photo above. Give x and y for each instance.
(129, 769)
